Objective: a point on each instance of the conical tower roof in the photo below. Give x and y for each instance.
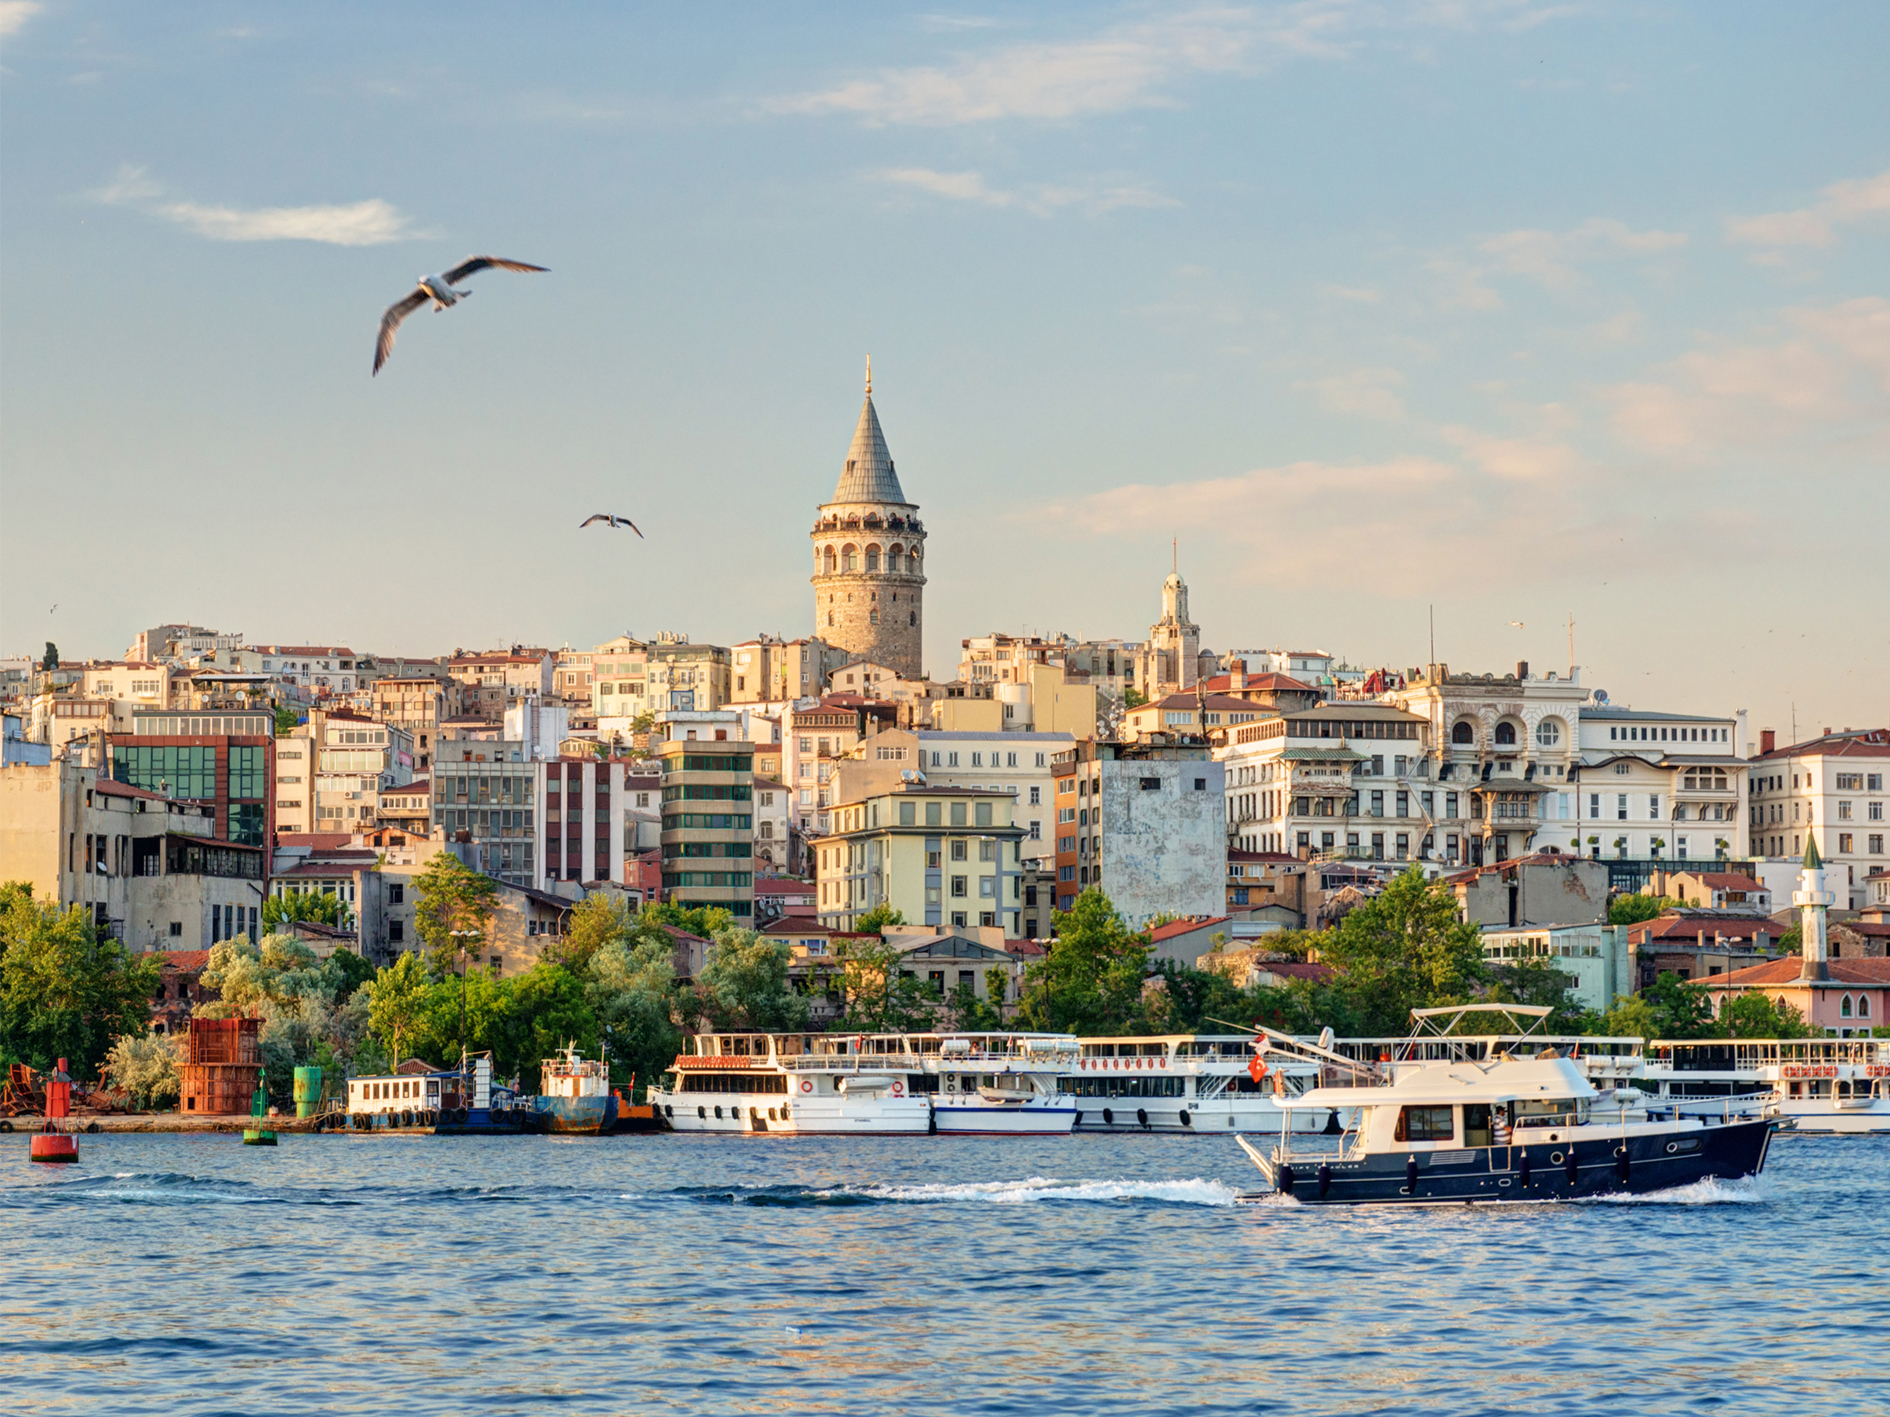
(1813, 862)
(868, 475)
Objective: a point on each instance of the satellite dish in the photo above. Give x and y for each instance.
(1601, 696)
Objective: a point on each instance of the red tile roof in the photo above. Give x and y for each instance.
(184, 959)
(1183, 927)
(782, 885)
(1216, 703)
(1295, 969)
(1784, 971)
(1863, 743)
(1278, 682)
(319, 841)
(111, 787)
(1724, 880)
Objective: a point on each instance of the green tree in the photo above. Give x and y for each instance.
(1670, 1007)
(286, 721)
(1753, 1014)
(49, 661)
(875, 921)
(971, 1013)
(879, 997)
(744, 984)
(317, 906)
(703, 921)
(1090, 981)
(1405, 948)
(631, 989)
(148, 1066)
(1133, 697)
(547, 1010)
(594, 922)
(1539, 982)
(452, 899)
(1632, 909)
(349, 972)
(65, 990)
(1188, 998)
(398, 1000)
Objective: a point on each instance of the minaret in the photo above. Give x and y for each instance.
(869, 556)
(1813, 901)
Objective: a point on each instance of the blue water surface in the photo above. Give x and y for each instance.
(1094, 1275)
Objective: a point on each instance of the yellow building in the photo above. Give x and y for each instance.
(938, 855)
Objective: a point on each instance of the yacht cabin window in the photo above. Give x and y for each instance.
(1426, 1124)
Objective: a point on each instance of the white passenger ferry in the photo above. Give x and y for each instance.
(1188, 1082)
(1819, 1085)
(996, 1084)
(796, 1083)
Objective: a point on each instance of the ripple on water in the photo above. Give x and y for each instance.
(1094, 1275)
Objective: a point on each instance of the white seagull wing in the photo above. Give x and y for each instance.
(473, 264)
(625, 521)
(596, 517)
(390, 322)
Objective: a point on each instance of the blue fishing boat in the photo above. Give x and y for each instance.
(575, 1096)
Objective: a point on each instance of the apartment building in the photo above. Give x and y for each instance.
(815, 738)
(1830, 787)
(1655, 786)
(222, 761)
(148, 868)
(708, 814)
(419, 704)
(599, 814)
(1144, 821)
(500, 678)
(773, 670)
(168, 643)
(1018, 765)
(939, 855)
(1341, 781)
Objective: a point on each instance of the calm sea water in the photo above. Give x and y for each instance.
(1085, 1275)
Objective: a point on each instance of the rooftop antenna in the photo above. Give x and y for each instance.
(1571, 644)
(1433, 641)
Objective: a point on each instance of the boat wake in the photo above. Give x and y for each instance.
(175, 1188)
(1746, 1190)
(1035, 1189)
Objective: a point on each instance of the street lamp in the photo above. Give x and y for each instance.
(462, 935)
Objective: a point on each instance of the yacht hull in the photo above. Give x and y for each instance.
(1656, 1161)
(1181, 1114)
(818, 1115)
(984, 1119)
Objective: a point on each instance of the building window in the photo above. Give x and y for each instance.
(1844, 843)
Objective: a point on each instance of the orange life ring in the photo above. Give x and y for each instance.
(807, 1084)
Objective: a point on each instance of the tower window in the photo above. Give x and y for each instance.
(912, 617)
(872, 617)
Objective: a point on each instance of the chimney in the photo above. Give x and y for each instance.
(1522, 669)
(1768, 740)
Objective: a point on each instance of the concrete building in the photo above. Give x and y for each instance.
(772, 670)
(708, 835)
(776, 846)
(498, 679)
(1500, 755)
(598, 815)
(1831, 785)
(170, 643)
(224, 761)
(1596, 957)
(620, 678)
(815, 737)
(1657, 786)
(1345, 781)
(486, 798)
(1545, 889)
(1016, 764)
(685, 677)
(869, 557)
(938, 855)
(148, 869)
(419, 704)
(1718, 890)
(998, 658)
(1145, 822)
(1199, 715)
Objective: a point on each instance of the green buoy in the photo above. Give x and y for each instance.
(259, 1135)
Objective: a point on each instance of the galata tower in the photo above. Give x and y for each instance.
(869, 557)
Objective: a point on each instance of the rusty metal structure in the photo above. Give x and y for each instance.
(222, 1064)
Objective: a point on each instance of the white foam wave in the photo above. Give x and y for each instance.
(1746, 1190)
(1044, 1188)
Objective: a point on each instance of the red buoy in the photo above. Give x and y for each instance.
(49, 1143)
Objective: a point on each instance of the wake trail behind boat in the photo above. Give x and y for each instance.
(1198, 1191)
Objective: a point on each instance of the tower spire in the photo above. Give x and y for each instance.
(869, 373)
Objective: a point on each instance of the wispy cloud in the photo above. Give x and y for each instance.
(1124, 67)
(1829, 375)
(1552, 256)
(370, 223)
(15, 13)
(1136, 65)
(1038, 198)
(1370, 393)
(1817, 224)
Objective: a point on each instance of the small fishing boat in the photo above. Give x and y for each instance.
(450, 1102)
(1480, 1125)
(575, 1096)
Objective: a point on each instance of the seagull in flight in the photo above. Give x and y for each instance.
(608, 520)
(1517, 623)
(439, 289)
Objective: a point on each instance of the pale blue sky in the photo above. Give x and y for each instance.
(1521, 309)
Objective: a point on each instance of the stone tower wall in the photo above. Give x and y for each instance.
(871, 614)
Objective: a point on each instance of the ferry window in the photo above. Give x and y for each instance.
(1476, 1124)
(1426, 1124)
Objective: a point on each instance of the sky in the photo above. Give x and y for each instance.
(1502, 311)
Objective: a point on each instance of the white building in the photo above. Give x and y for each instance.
(1652, 785)
(1145, 822)
(1833, 786)
(1020, 765)
(1596, 957)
